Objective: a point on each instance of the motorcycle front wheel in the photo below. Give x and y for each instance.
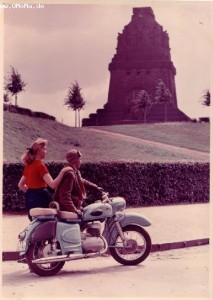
(42, 249)
(135, 249)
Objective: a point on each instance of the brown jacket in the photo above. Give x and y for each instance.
(71, 191)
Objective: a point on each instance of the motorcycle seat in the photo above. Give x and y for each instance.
(62, 214)
(39, 211)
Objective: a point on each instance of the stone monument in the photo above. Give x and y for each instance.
(142, 59)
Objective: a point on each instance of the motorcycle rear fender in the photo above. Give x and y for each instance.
(24, 236)
(136, 219)
(31, 234)
(44, 231)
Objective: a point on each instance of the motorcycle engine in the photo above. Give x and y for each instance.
(91, 240)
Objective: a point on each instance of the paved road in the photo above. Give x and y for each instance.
(174, 273)
(173, 223)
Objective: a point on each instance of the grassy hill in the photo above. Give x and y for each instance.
(183, 134)
(20, 131)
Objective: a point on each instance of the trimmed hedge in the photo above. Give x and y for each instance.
(26, 111)
(139, 183)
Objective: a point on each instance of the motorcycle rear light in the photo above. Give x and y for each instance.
(22, 235)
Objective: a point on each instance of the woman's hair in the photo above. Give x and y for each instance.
(29, 156)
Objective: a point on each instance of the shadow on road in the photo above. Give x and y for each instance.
(24, 274)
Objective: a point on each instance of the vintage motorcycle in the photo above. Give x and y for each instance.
(54, 237)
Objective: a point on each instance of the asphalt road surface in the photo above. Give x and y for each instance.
(174, 273)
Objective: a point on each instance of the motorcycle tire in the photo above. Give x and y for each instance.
(134, 253)
(36, 251)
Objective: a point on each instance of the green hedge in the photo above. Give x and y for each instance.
(139, 183)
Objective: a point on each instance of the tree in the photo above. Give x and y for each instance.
(162, 95)
(75, 101)
(206, 98)
(6, 98)
(142, 104)
(14, 84)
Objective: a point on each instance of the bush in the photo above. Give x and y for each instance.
(140, 184)
(26, 111)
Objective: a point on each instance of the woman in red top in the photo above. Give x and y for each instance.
(36, 176)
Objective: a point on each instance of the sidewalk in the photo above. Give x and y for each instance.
(173, 227)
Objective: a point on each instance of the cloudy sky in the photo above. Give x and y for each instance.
(58, 44)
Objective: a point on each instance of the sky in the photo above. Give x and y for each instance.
(54, 45)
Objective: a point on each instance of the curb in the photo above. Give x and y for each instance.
(179, 245)
(14, 255)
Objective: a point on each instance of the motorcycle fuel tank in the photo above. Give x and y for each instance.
(97, 211)
(118, 204)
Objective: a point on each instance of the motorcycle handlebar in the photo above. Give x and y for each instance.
(105, 197)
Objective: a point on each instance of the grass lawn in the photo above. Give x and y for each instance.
(20, 131)
(184, 134)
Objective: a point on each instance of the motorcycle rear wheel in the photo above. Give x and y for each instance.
(137, 249)
(40, 250)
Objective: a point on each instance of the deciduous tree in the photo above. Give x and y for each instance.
(162, 95)
(142, 104)
(75, 101)
(14, 83)
(6, 98)
(206, 98)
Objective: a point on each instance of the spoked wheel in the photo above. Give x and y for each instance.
(43, 249)
(136, 247)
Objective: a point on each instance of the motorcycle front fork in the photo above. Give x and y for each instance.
(120, 231)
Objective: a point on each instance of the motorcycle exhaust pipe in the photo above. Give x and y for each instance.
(59, 258)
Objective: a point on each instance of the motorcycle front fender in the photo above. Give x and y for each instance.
(133, 219)
(111, 231)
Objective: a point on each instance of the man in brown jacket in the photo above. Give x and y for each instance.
(70, 193)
